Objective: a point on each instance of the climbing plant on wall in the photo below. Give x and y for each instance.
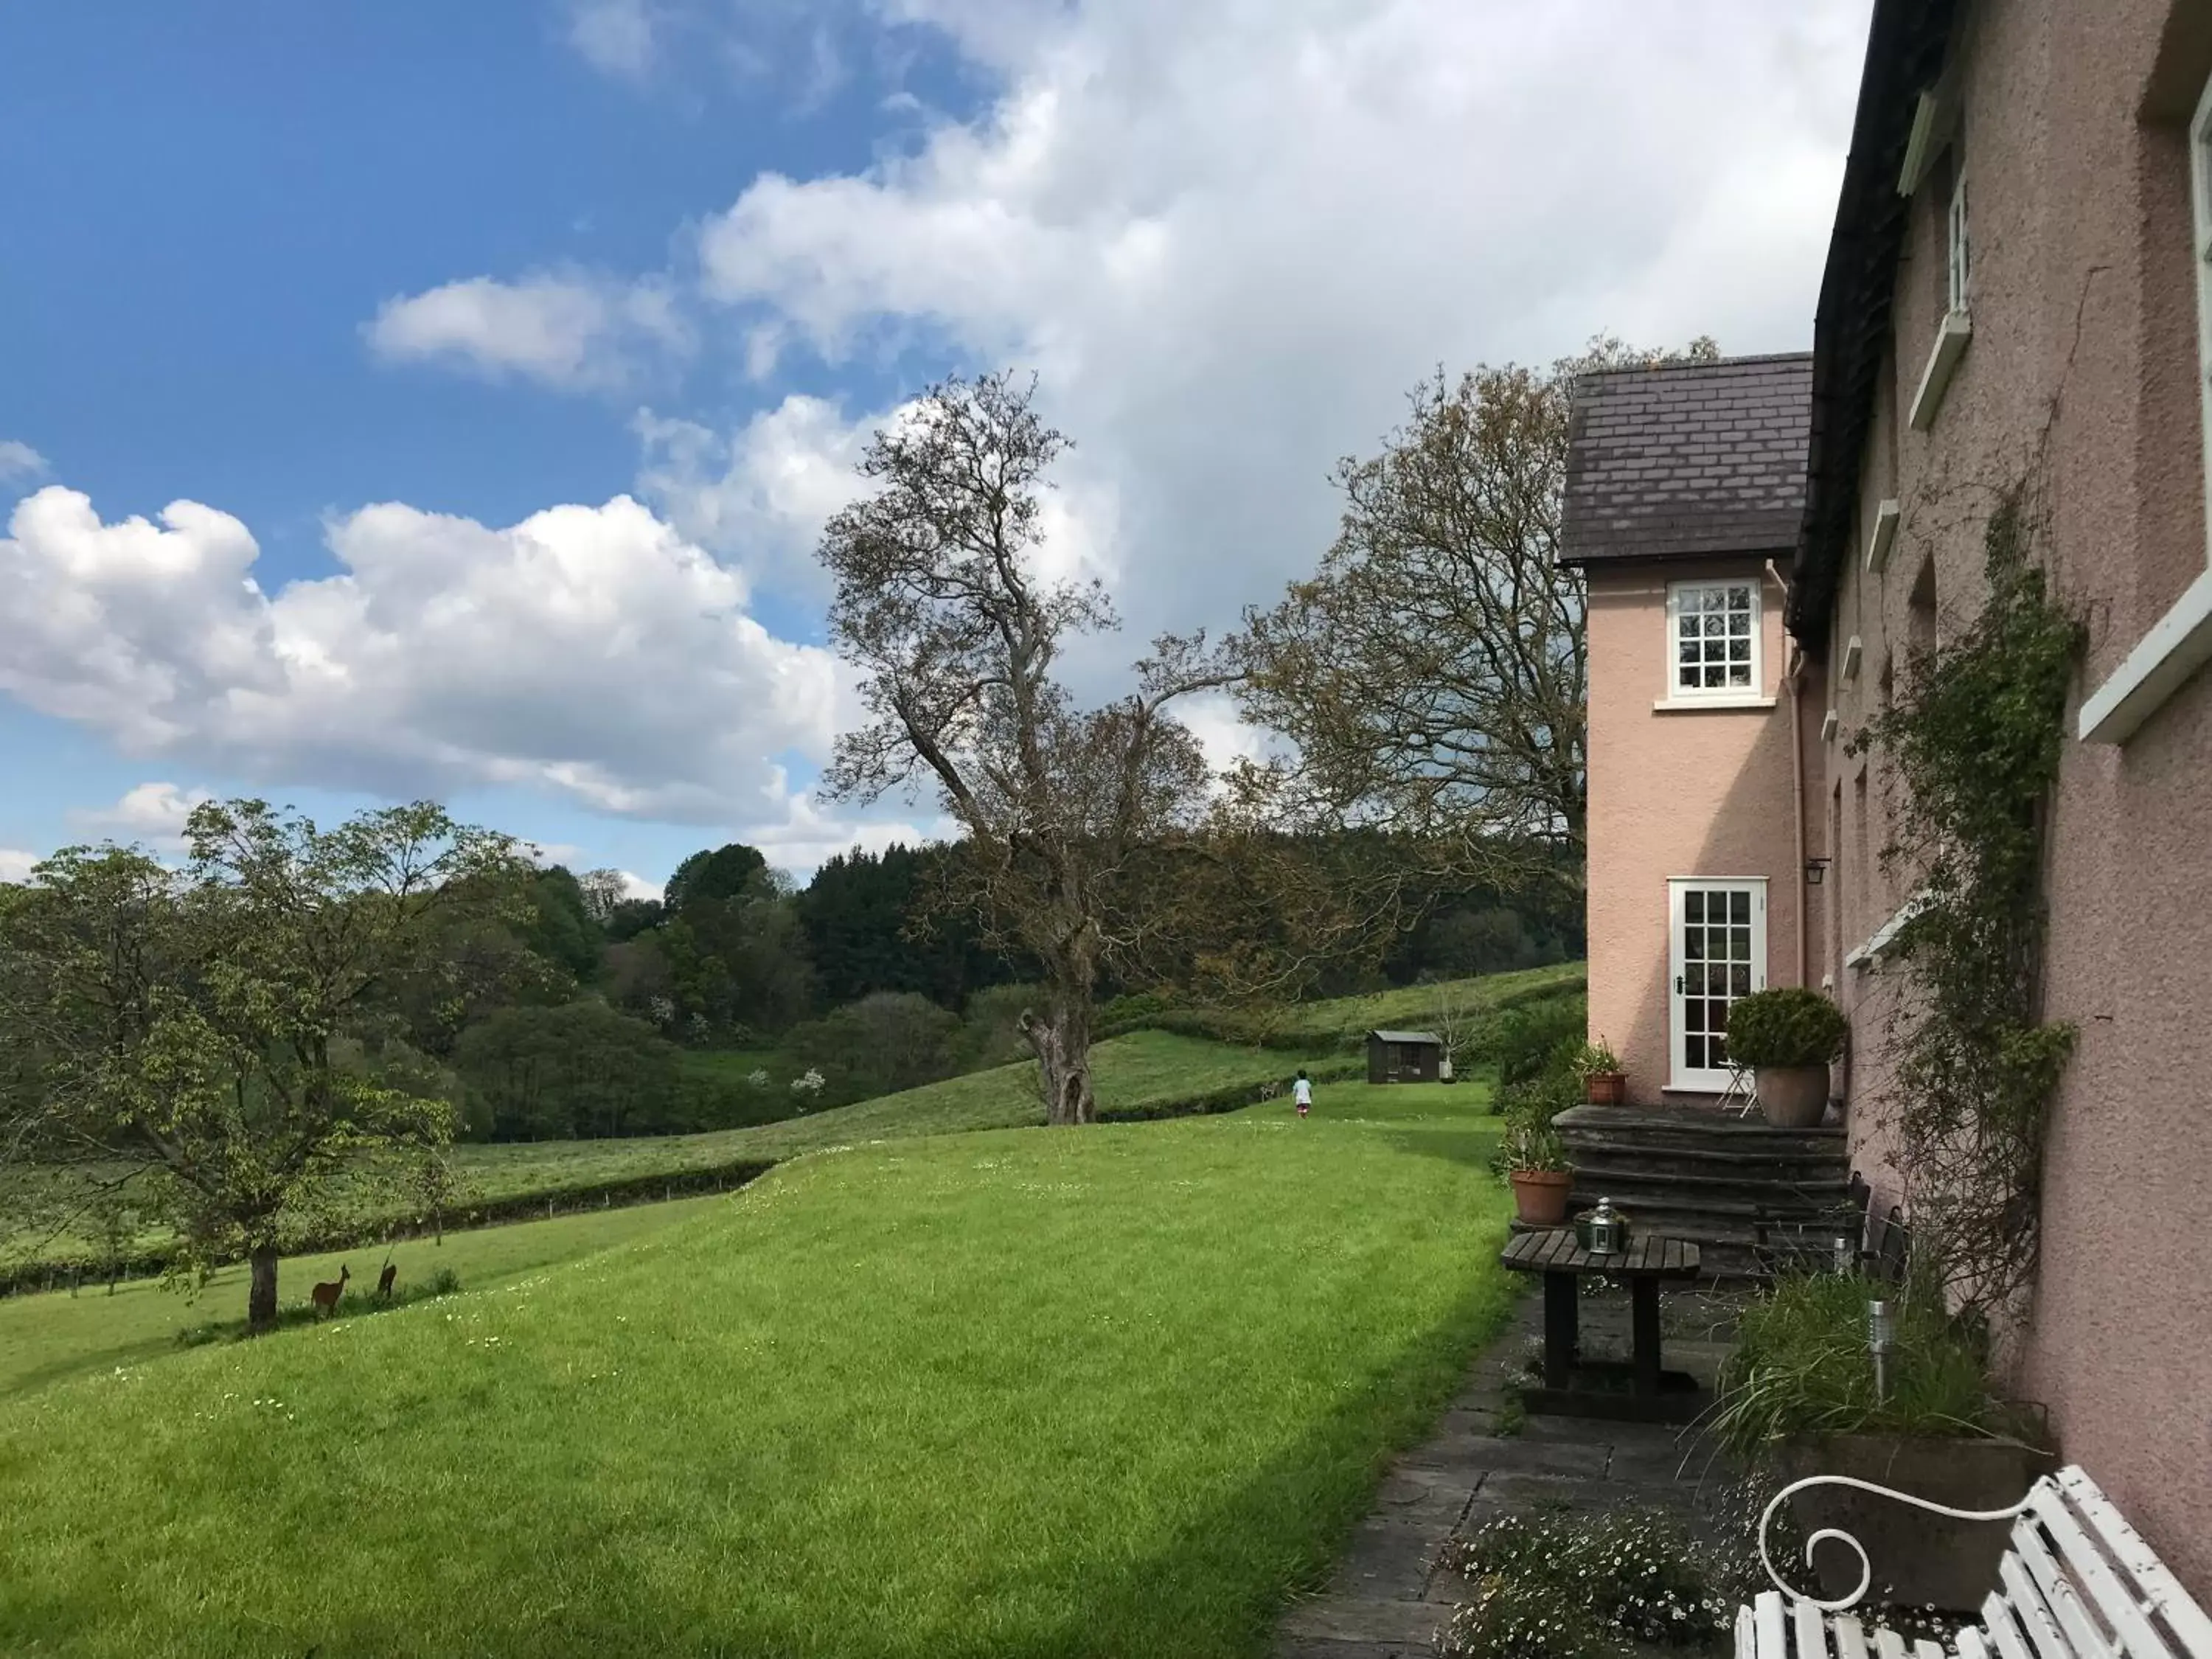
(1973, 735)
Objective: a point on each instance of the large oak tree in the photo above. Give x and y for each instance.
(1432, 676)
(1067, 814)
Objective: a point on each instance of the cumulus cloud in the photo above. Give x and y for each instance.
(15, 865)
(151, 814)
(588, 651)
(572, 331)
(1230, 236)
(760, 495)
(18, 460)
(797, 832)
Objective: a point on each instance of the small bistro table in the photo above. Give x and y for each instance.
(1653, 1395)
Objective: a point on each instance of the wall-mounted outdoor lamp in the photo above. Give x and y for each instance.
(1815, 869)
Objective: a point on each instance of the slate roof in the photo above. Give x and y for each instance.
(1407, 1036)
(1906, 44)
(1688, 458)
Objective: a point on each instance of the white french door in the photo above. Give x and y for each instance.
(1717, 953)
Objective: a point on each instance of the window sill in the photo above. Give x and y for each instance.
(1878, 942)
(1707, 705)
(2178, 644)
(1951, 338)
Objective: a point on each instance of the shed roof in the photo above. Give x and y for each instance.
(1407, 1036)
(1687, 458)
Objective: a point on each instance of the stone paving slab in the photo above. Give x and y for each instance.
(1388, 1598)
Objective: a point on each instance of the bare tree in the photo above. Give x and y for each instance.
(1069, 817)
(1432, 676)
(603, 891)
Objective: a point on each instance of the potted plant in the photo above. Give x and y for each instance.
(1800, 1391)
(1788, 1035)
(1536, 1165)
(1604, 1084)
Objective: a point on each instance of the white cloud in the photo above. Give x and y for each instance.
(761, 495)
(588, 651)
(636, 886)
(573, 331)
(1230, 236)
(151, 814)
(18, 460)
(615, 37)
(800, 832)
(15, 865)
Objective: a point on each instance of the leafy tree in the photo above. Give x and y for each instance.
(630, 917)
(870, 927)
(727, 874)
(885, 1042)
(580, 1069)
(196, 1036)
(941, 604)
(562, 931)
(1432, 675)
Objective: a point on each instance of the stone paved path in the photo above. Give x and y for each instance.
(1388, 1598)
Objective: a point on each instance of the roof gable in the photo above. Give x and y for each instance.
(1687, 458)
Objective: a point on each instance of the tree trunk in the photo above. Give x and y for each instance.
(1062, 1042)
(261, 1299)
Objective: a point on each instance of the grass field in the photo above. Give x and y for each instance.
(1143, 1072)
(1109, 1391)
(44, 1338)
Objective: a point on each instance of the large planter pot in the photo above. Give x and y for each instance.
(1917, 1558)
(1605, 1088)
(1540, 1196)
(1793, 1096)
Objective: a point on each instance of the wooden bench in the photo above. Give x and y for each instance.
(2076, 1583)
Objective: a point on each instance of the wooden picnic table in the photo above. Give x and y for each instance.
(1654, 1394)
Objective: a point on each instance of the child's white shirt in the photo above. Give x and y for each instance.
(1302, 1092)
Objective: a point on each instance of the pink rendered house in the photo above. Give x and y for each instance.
(1809, 508)
(1685, 493)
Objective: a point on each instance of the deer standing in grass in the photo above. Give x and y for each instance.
(327, 1295)
(384, 1281)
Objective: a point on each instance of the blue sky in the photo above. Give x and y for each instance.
(375, 290)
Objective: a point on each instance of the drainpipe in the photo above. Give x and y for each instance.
(1789, 678)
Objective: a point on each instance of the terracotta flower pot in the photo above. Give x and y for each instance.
(1540, 1196)
(1605, 1088)
(1793, 1096)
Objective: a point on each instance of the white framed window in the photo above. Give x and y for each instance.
(2179, 642)
(1713, 640)
(1959, 248)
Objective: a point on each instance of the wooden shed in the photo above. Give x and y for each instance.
(1403, 1056)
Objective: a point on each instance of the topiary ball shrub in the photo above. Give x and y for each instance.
(1787, 1026)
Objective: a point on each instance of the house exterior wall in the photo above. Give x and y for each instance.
(1703, 792)
(2082, 375)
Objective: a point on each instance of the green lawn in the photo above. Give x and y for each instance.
(1346, 1020)
(1109, 1391)
(1145, 1071)
(44, 1338)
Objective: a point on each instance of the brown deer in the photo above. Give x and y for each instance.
(326, 1296)
(384, 1281)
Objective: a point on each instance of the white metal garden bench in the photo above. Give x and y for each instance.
(2077, 1582)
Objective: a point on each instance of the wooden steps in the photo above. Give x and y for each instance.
(1711, 1178)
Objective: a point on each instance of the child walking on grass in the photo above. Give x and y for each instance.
(1302, 1092)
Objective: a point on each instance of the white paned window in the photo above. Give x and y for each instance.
(1713, 639)
(2180, 643)
(1959, 264)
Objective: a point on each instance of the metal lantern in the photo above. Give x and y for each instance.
(1607, 1229)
